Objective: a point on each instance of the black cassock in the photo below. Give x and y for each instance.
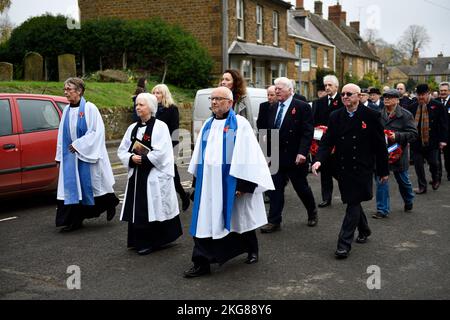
(142, 233)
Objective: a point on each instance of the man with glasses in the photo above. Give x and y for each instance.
(360, 149)
(293, 119)
(231, 174)
(432, 125)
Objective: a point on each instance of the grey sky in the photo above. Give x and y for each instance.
(390, 17)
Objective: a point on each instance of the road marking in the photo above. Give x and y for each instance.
(445, 206)
(7, 219)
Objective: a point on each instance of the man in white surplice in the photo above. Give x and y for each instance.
(230, 179)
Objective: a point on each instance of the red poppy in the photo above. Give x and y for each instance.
(335, 103)
(293, 111)
(433, 107)
(225, 129)
(363, 125)
(81, 114)
(146, 137)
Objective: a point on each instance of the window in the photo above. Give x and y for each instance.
(449, 66)
(283, 71)
(61, 105)
(259, 24)
(275, 28)
(350, 66)
(240, 18)
(298, 53)
(325, 58)
(429, 66)
(278, 70)
(313, 56)
(5, 118)
(38, 115)
(246, 70)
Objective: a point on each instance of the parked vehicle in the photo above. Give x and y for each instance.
(202, 111)
(28, 135)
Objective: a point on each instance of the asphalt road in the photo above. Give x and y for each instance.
(410, 252)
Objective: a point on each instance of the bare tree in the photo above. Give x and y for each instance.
(371, 35)
(4, 4)
(414, 38)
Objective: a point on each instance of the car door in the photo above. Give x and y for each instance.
(10, 173)
(39, 122)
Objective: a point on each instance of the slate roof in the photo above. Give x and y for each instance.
(252, 49)
(440, 66)
(283, 3)
(309, 32)
(359, 42)
(342, 41)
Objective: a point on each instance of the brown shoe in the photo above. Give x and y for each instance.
(270, 227)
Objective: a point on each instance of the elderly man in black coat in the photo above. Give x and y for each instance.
(357, 135)
(401, 130)
(432, 125)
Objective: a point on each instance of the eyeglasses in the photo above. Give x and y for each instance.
(219, 99)
(348, 94)
(68, 89)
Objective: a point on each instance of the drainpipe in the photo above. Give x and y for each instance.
(225, 58)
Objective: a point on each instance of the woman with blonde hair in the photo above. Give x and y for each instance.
(168, 113)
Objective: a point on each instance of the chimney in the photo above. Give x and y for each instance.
(355, 25)
(415, 57)
(299, 5)
(336, 15)
(318, 8)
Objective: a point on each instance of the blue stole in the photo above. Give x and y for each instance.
(69, 159)
(228, 181)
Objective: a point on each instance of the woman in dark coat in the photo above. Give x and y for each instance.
(168, 113)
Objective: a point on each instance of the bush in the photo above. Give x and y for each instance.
(149, 46)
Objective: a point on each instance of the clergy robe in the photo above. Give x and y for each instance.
(91, 149)
(212, 239)
(150, 205)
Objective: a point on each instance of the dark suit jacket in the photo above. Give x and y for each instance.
(300, 97)
(171, 117)
(447, 108)
(263, 113)
(360, 148)
(438, 119)
(321, 110)
(296, 131)
(373, 106)
(405, 102)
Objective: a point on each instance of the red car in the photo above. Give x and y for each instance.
(28, 134)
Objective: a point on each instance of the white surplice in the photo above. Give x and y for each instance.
(91, 148)
(248, 163)
(161, 195)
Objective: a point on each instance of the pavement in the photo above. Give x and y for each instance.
(407, 256)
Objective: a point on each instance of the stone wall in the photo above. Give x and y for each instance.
(118, 119)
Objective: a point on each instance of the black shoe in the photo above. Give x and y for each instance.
(251, 258)
(408, 207)
(185, 202)
(362, 238)
(448, 178)
(110, 213)
(72, 227)
(341, 254)
(312, 222)
(144, 251)
(436, 185)
(324, 204)
(197, 271)
(420, 191)
(379, 215)
(270, 227)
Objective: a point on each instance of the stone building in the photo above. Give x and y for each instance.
(249, 35)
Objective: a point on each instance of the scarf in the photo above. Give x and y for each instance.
(422, 118)
(71, 195)
(228, 181)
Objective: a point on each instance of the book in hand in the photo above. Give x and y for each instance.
(139, 148)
